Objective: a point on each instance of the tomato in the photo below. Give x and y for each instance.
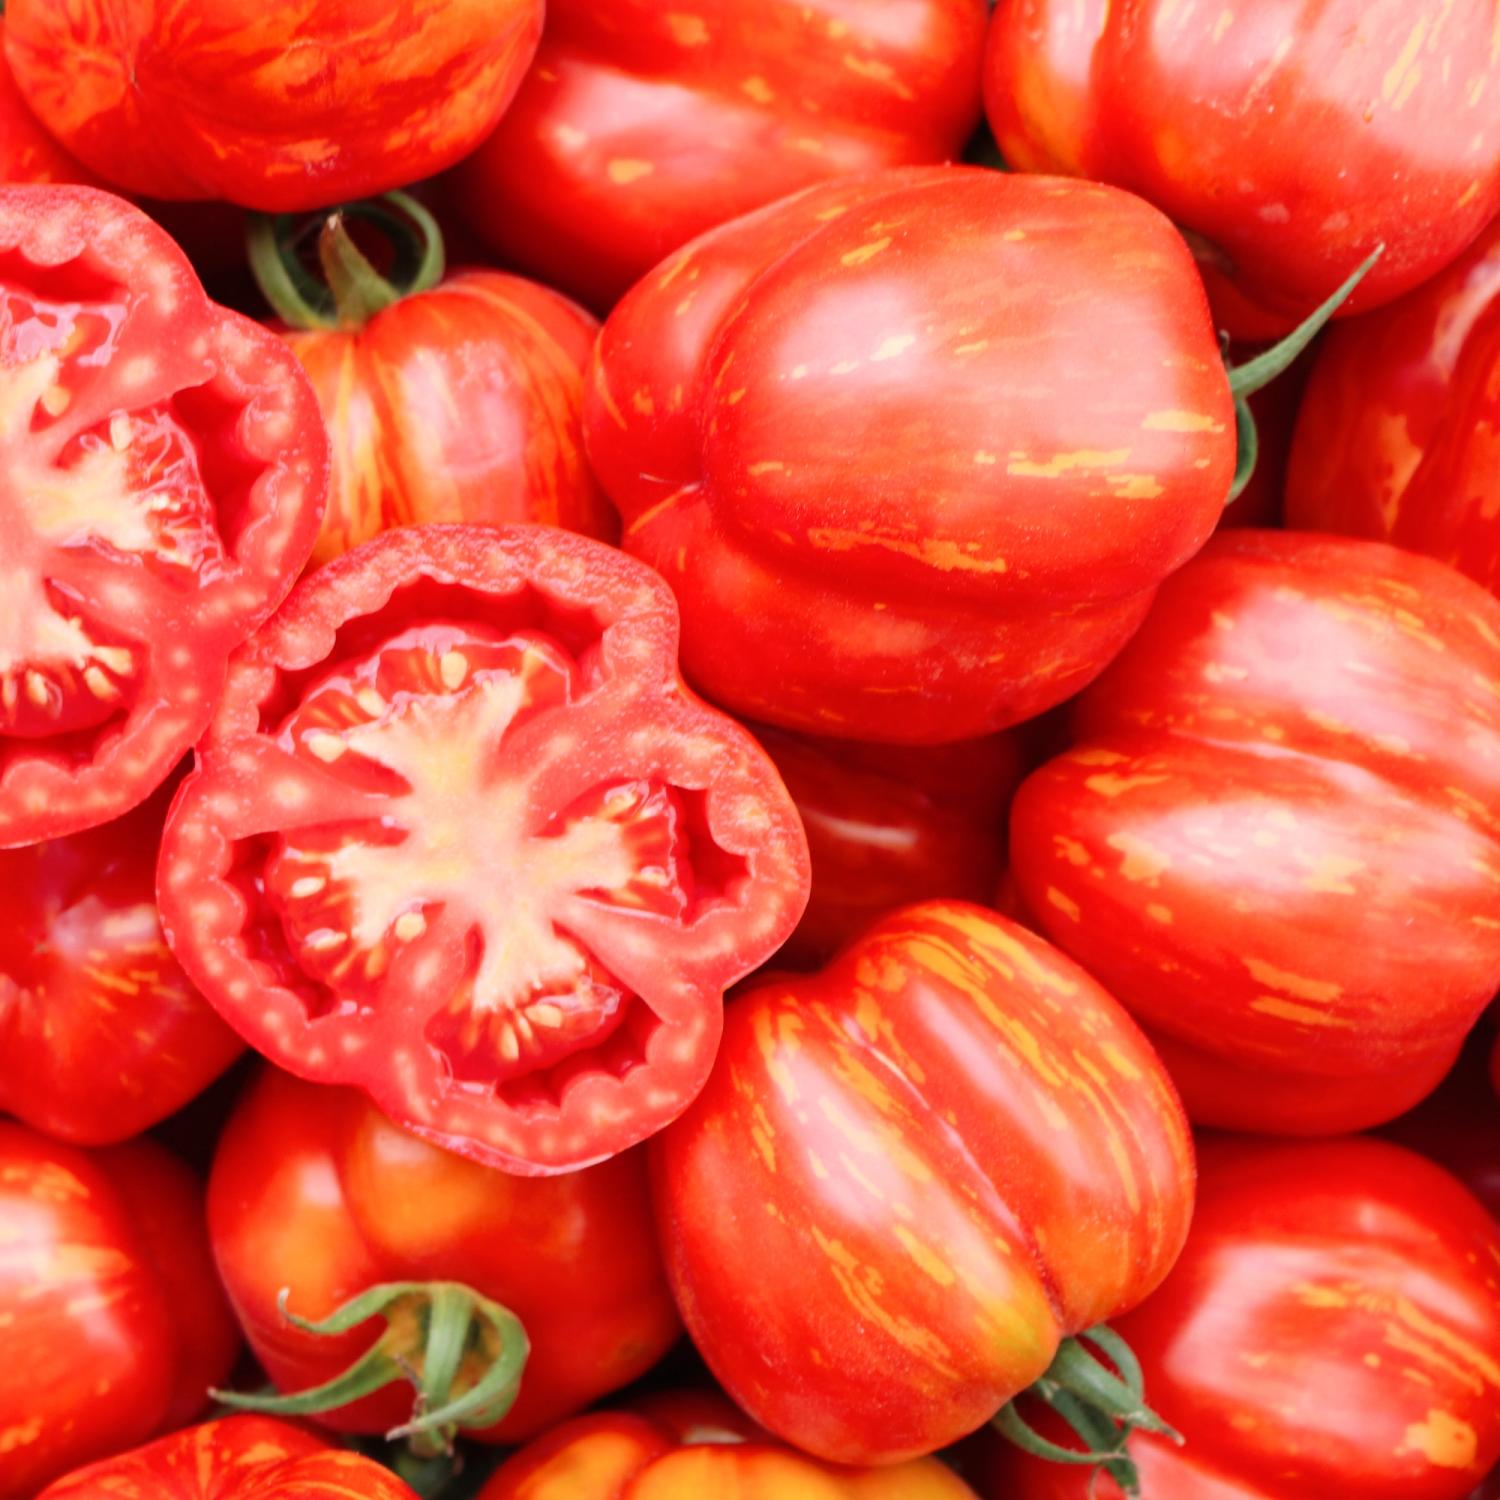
(911, 1177)
(452, 400)
(458, 835)
(101, 1031)
(293, 107)
(1290, 138)
(1333, 1328)
(239, 1458)
(1399, 436)
(315, 1191)
(885, 514)
(888, 825)
(27, 152)
(626, 1456)
(1273, 839)
(108, 1299)
(641, 126)
(166, 469)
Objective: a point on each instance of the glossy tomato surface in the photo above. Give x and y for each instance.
(101, 1032)
(295, 106)
(911, 1176)
(109, 1299)
(1289, 137)
(165, 470)
(27, 152)
(239, 1458)
(459, 836)
(641, 125)
(1399, 437)
(315, 1191)
(1332, 1328)
(1275, 837)
(913, 449)
(458, 404)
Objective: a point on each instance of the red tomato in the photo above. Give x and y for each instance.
(109, 1302)
(1274, 838)
(1333, 1328)
(910, 1177)
(1290, 137)
(641, 126)
(240, 1458)
(1399, 436)
(315, 1191)
(888, 825)
(1024, 473)
(101, 1032)
(299, 105)
(27, 152)
(460, 836)
(165, 473)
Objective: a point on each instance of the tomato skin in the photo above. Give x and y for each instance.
(920, 1243)
(966, 572)
(1397, 436)
(1333, 1327)
(101, 1031)
(458, 404)
(1321, 702)
(1292, 138)
(308, 105)
(27, 152)
(108, 1285)
(238, 1458)
(314, 1190)
(638, 128)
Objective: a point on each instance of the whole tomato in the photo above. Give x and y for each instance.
(108, 1299)
(913, 449)
(453, 398)
(889, 825)
(1275, 836)
(239, 1458)
(290, 107)
(911, 1178)
(641, 125)
(101, 1032)
(1332, 1328)
(1288, 137)
(1399, 435)
(315, 1192)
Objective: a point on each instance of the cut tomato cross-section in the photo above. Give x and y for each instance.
(165, 470)
(459, 835)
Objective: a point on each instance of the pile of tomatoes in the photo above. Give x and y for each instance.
(749, 749)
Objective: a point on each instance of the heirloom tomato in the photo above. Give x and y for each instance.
(459, 835)
(27, 152)
(285, 107)
(1332, 1328)
(238, 1458)
(165, 472)
(1275, 837)
(911, 1178)
(914, 448)
(642, 125)
(108, 1300)
(1289, 138)
(889, 825)
(454, 399)
(1399, 436)
(100, 1030)
(315, 1192)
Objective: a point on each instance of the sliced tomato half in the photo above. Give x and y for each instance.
(163, 471)
(460, 836)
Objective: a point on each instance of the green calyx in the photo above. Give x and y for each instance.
(462, 1353)
(1101, 1406)
(351, 291)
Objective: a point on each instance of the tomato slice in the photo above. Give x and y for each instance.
(165, 470)
(460, 836)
